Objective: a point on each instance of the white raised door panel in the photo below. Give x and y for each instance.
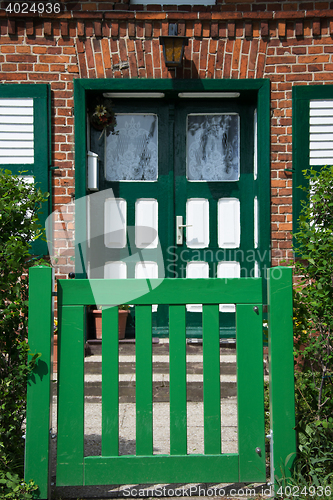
(146, 223)
(228, 222)
(147, 270)
(115, 270)
(197, 222)
(115, 213)
(194, 270)
(229, 269)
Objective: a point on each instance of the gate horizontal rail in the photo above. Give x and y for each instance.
(248, 465)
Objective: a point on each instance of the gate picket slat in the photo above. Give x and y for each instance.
(70, 440)
(250, 393)
(177, 364)
(211, 379)
(110, 382)
(144, 380)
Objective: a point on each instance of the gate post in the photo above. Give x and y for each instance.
(281, 374)
(40, 331)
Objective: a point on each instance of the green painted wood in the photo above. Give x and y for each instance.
(188, 291)
(301, 97)
(144, 381)
(80, 127)
(70, 438)
(250, 393)
(161, 469)
(281, 370)
(160, 190)
(251, 91)
(110, 385)
(211, 380)
(242, 189)
(39, 400)
(169, 85)
(177, 367)
(40, 167)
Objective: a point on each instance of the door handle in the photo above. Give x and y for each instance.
(179, 229)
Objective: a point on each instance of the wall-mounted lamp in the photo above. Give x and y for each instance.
(173, 46)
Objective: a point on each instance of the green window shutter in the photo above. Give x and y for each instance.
(25, 139)
(312, 136)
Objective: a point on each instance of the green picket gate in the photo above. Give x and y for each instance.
(248, 465)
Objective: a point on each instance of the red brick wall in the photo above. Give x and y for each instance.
(290, 43)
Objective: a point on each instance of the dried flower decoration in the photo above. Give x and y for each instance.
(102, 116)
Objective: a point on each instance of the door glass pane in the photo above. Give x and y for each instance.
(131, 153)
(212, 147)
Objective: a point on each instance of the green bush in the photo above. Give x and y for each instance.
(19, 204)
(313, 330)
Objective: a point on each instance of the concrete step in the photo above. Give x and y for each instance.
(159, 367)
(161, 384)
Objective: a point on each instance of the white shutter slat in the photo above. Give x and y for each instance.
(328, 153)
(18, 136)
(321, 120)
(19, 111)
(16, 128)
(322, 145)
(321, 112)
(16, 152)
(321, 161)
(316, 129)
(17, 102)
(321, 137)
(319, 103)
(16, 160)
(16, 119)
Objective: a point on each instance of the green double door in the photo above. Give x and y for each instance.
(177, 196)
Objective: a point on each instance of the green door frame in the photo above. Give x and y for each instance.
(252, 88)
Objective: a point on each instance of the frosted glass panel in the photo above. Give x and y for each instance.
(256, 270)
(256, 223)
(196, 270)
(115, 222)
(212, 147)
(16, 131)
(228, 270)
(197, 218)
(115, 270)
(146, 223)
(228, 223)
(131, 154)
